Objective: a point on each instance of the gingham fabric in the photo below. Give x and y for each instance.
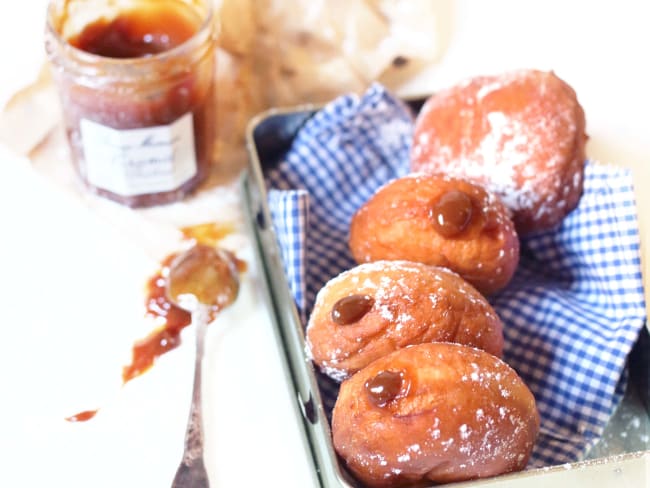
(572, 311)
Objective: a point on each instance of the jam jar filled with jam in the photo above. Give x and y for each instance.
(136, 80)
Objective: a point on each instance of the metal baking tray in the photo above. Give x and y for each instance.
(621, 457)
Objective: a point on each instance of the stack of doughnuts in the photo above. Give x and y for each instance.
(408, 331)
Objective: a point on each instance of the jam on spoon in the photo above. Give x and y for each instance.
(203, 280)
(167, 337)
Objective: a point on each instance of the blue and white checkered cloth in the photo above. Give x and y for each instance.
(572, 311)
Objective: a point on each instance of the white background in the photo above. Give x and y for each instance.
(601, 48)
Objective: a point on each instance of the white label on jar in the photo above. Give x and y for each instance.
(139, 161)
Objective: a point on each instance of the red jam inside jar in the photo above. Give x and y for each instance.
(137, 89)
(135, 33)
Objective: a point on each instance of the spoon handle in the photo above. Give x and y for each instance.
(191, 472)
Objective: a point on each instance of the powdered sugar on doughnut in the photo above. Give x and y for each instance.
(452, 424)
(411, 303)
(520, 134)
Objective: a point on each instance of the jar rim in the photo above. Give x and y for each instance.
(164, 56)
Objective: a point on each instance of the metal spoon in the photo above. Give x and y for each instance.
(203, 280)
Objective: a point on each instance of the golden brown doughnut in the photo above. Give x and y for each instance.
(520, 134)
(439, 412)
(375, 308)
(438, 220)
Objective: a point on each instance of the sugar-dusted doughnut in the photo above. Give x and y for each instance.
(438, 220)
(521, 134)
(436, 411)
(375, 308)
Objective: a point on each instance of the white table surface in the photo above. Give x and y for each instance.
(62, 350)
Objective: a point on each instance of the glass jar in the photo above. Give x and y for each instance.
(136, 81)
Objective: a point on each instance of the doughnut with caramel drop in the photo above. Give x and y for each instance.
(442, 221)
(520, 134)
(375, 308)
(434, 412)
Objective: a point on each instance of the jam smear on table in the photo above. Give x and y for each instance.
(209, 233)
(136, 33)
(82, 416)
(167, 337)
(145, 351)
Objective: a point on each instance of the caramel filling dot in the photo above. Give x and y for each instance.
(351, 309)
(384, 387)
(452, 213)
